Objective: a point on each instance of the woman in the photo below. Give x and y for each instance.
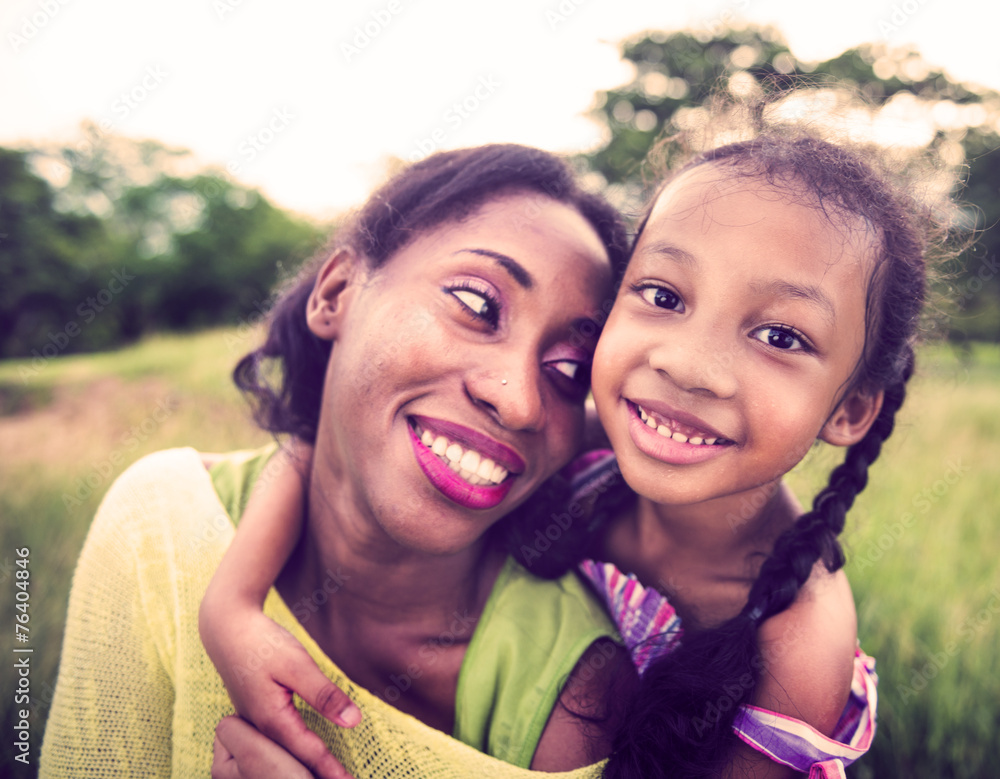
(457, 304)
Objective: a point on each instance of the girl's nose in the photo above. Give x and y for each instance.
(697, 360)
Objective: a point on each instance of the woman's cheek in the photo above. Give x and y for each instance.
(565, 435)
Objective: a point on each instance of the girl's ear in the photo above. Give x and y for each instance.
(850, 421)
(327, 304)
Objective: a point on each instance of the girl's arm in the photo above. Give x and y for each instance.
(808, 653)
(233, 626)
(589, 711)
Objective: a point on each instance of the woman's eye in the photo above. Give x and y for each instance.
(573, 378)
(479, 304)
(780, 338)
(568, 368)
(661, 297)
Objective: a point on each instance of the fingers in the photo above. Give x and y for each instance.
(288, 729)
(224, 765)
(324, 696)
(242, 752)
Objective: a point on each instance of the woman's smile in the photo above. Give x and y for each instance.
(467, 467)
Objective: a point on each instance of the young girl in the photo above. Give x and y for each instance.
(771, 300)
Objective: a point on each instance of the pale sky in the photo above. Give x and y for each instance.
(306, 100)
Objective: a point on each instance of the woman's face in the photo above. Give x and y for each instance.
(459, 368)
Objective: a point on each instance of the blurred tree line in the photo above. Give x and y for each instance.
(111, 238)
(914, 102)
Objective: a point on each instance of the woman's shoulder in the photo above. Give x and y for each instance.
(808, 652)
(152, 475)
(164, 500)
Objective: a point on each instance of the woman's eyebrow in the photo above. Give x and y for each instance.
(512, 266)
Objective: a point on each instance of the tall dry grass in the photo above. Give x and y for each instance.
(923, 541)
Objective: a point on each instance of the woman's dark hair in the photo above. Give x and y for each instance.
(445, 187)
(680, 721)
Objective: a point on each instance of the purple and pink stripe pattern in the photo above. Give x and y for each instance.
(649, 626)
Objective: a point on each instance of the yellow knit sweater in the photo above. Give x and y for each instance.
(137, 695)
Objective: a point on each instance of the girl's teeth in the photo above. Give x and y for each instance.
(499, 474)
(440, 446)
(427, 438)
(666, 432)
(454, 453)
(453, 464)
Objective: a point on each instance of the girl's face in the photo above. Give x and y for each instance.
(459, 369)
(734, 337)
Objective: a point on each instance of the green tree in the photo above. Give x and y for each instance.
(110, 238)
(675, 72)
(50, 263)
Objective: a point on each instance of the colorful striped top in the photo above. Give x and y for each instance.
(650, 627)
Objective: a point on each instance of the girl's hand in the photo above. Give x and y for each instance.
(261, 665)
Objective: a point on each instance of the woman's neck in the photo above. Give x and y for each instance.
(359, 581)
(376, 578)
(377, 608)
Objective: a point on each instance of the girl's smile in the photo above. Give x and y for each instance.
(663, 436)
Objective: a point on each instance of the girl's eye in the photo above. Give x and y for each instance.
(661, 297)
(480, 304)
(783, 338)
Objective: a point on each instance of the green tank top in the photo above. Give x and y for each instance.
(529, 637)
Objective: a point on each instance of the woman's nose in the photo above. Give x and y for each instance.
(510, 390)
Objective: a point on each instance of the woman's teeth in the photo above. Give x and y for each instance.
(666, 432)
(467, 463)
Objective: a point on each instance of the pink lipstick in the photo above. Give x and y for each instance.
(493, 460)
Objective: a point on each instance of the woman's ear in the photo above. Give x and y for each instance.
(852, 418)
(327, 304)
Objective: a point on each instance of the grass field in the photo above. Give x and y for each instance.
(923, 541)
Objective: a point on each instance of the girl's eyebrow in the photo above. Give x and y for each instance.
(509, 264)
(672, 252)
(786, 289)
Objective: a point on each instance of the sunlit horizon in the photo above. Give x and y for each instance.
(310, 103)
